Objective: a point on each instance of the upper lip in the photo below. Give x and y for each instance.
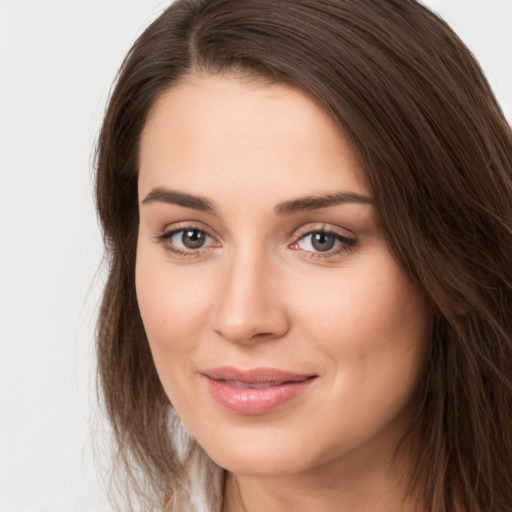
(255, 375)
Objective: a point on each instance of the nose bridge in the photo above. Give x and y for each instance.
(248, 302)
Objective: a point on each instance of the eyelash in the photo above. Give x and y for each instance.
(166, 237)
(345, 244)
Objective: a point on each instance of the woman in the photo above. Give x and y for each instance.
(307, 207)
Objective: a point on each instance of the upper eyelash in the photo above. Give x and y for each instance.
(169, 234)
(166, 235)
(348, 243)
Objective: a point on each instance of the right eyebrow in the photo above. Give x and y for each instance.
(165, 195)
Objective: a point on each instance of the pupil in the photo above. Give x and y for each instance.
(192, 239)
(322, 242)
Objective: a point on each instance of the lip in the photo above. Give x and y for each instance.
(256, 391)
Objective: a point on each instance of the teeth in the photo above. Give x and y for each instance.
(251, 385)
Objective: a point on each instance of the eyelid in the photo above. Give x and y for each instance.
(174, 227)
(347, 241)
(169, 231)
(324, 228)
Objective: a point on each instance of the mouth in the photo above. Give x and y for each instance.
(255, 392)
(252, 385)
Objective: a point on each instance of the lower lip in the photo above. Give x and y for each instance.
(255, 401)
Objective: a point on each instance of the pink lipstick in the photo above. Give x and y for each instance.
(257, 391)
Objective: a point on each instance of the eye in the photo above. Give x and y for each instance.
(190, 238)
(321, 242)
(186, 241)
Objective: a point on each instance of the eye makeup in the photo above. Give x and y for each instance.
(313, 241)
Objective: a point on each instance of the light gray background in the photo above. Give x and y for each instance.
(57, 61)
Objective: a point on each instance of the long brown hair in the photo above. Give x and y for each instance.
(437, 151)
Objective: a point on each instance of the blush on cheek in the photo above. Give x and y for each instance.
(167, 320)
(169, 323)
(168, 311)
(374, 318)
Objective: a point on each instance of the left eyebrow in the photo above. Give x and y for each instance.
(309, 203)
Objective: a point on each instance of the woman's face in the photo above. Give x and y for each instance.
(283, 331)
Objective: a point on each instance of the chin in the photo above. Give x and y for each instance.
(261, 465)
(269, 455)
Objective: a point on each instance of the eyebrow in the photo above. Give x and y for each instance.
(317, 202)
(164, 195)
(301, 204)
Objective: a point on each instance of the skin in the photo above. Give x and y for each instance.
(258, 293)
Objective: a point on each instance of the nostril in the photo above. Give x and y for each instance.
(239, 338)
(264, 335)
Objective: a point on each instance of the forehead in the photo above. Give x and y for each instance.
(211, 130)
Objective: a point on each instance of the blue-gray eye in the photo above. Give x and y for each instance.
(192, 238)
(319, 241)
(328, 242)
(188, 239)
(322, 241)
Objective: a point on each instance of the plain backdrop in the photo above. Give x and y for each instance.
(57, 62)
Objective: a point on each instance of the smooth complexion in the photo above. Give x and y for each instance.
(261, 270)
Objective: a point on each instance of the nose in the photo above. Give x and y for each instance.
(250, 304)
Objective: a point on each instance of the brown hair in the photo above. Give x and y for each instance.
(437, 151)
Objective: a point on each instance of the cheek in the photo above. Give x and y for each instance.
(373, 328)
(371, 322)
(171, 305)
(173, 308)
